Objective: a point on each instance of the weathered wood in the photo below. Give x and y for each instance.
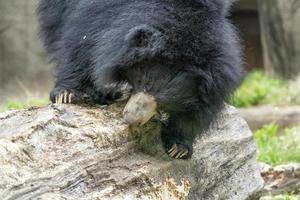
(281, 36)
(284, 117)
(72, 152)
(281, 179)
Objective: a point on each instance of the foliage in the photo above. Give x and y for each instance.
(284, 197)
(258, 88)
(277, 149)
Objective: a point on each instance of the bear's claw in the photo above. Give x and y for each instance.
(64, 98)
(177, 153)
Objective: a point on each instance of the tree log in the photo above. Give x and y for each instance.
(258, 117)
(72, 152)
(281, 179)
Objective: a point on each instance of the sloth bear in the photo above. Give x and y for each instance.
(179, 56)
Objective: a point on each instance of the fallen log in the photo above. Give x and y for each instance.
(281, 179)
(259, 116)
(73, 152)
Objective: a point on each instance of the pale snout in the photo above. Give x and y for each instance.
(140, 108)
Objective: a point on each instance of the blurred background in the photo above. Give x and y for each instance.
(24, 71)
(269, 98)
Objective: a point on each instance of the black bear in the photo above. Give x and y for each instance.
(179, 56)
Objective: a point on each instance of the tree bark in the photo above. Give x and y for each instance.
(281, 179)
(71, 152)
(281, 36)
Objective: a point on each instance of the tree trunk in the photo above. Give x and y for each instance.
(281, 36)
(72, 152)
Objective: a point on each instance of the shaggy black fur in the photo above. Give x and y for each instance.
(183, 52)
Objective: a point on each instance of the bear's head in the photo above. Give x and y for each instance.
(163, 49)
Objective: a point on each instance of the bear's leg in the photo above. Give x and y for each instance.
(178, 136)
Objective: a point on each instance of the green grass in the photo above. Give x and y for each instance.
(11, 104)
(277, 149)
(284, 197)
(259, 88)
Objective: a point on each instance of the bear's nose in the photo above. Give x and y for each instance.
(145, 37)
(140, 109)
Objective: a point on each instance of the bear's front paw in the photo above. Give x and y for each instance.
(64, 97)
(180, 151)
(67, 96)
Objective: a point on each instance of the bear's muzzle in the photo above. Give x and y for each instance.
(140, 108)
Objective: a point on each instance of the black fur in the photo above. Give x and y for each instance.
(184, 52)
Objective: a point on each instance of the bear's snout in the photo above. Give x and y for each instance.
(140, 108)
